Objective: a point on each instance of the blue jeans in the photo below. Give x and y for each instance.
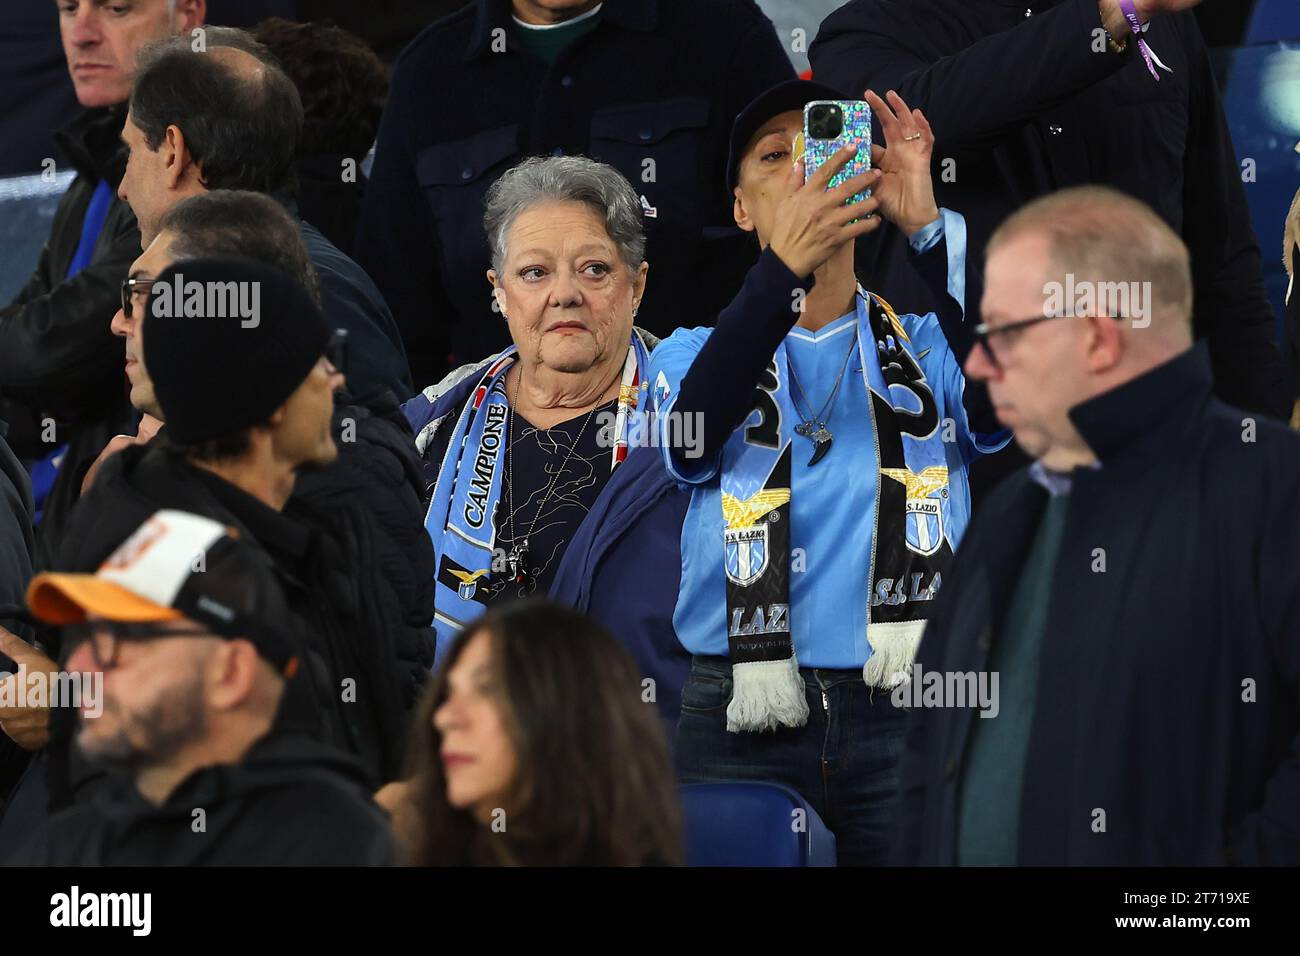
(844, 761)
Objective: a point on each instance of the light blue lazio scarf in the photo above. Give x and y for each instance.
(460, 520)
(748, 513)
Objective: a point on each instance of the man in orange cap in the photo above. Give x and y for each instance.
(197, 649)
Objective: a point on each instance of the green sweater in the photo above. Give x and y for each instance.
(546, 43)
(988, 802)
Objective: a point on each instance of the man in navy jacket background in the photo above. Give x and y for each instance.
(647, 86)
(1030, 96)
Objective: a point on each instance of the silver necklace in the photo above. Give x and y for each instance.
(813, 427)
(517, 559)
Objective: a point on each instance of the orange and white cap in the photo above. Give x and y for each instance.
(176, 565)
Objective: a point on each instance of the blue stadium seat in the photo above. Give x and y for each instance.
(27, 205)
(753, 824)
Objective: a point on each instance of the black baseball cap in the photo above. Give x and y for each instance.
(786, 96)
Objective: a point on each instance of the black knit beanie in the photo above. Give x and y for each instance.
(226, 341)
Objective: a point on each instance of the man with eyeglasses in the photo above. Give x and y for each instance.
(60, 370)
(377, 474)
(1032, 96)
(1136, 590)
(376, 480)
(236, 223)
(227, 117)
(190, 654)
(248, 440)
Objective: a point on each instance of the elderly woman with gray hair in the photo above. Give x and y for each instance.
(518, 447)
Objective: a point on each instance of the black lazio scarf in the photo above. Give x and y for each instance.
(909, 550)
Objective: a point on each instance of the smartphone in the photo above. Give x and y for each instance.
(829, 126)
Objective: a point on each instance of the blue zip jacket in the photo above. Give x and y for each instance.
(623, 565)
(624, 568)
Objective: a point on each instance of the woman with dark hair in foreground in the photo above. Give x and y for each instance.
(534, 747)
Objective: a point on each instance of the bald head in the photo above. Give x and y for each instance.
(241, 63)
(1084, 290)
(238, 113)
(1108, 254)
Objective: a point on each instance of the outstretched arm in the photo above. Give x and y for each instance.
(811, 224)
(998, 82)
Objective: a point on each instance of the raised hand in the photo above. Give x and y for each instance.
(812, 223)
(1112, 17)
(28, 727)
(149, 427)
(904, 186)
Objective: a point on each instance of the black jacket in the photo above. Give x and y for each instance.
(1147, 658)
(349, 299)
(349, 549)
(378, 479)
(16, 555)
(1024, 106)
(329, 203)
(57, 353)
(289, 802)
(16, 543)
(652, 90)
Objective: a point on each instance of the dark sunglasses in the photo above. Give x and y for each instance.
(129, 287)
(107, 636)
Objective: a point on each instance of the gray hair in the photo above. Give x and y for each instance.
(566, 179)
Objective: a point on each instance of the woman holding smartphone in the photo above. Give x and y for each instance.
(827, 490)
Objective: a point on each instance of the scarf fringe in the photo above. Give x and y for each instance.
(893, 649)
(766, 695)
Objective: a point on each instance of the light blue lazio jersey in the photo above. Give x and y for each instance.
(833, 503)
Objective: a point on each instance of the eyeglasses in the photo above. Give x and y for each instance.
(998, 340)
(136, 291)
(336, 351)
(107, 636)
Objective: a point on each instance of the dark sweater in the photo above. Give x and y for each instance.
(989, 804)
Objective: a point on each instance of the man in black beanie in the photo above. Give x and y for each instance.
(237, 354)
(376, 477)
(244, 369)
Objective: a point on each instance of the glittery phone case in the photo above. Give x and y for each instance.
(857, 129)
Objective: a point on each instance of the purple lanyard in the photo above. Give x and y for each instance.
(1131, 14)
